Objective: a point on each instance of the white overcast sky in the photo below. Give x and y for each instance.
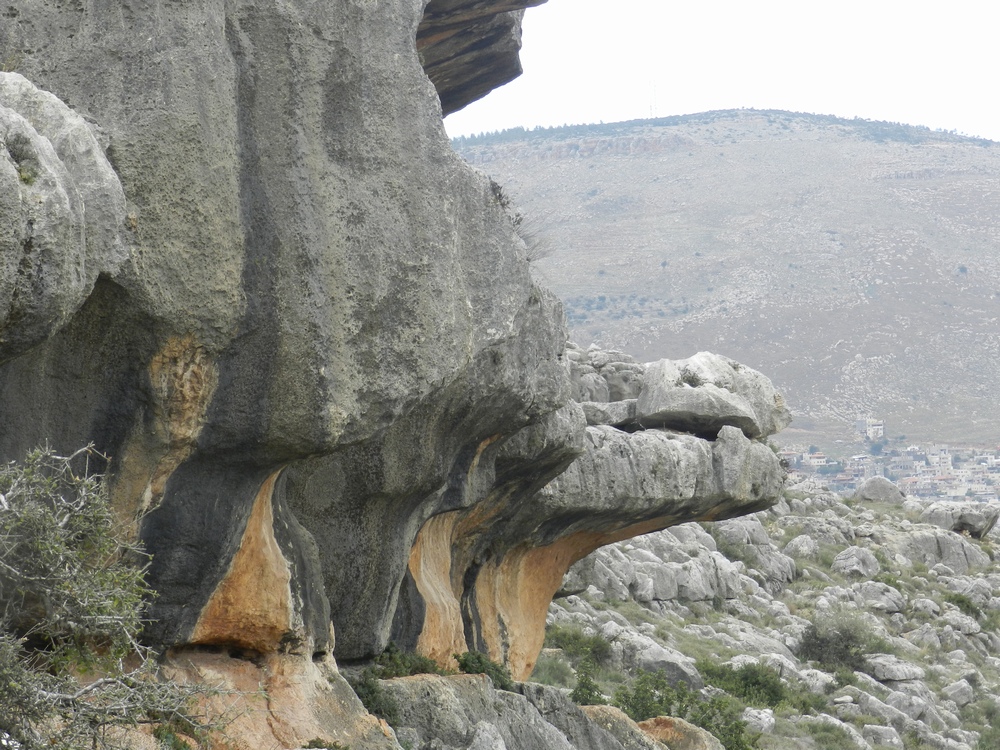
(916, 62)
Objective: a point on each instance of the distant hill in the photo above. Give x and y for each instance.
(856, 263)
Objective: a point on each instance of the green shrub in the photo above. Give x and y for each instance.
(551, 670)
(845, 677)
(840, 642)
(889, 580)
(395, 663)
(586, 692)
(828, 736)
(754, 684)
(577, 645)
(72, 594)
(168, 738)
(374, 697)
(806, 702)
(474, 662)
(989, 738)
(964, 604)
(652, 695)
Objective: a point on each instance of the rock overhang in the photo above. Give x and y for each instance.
(328, 384)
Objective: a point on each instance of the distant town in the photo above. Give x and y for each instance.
(928, 471)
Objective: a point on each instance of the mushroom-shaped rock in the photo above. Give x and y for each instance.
(707, 391)
(974, 519)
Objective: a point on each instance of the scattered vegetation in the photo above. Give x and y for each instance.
(25, 159)
(652, 695)
(754, 684)
(552, 670)
(965, 605)
(71, 597)
(169, 739)
(395, 663)
(840, 642)
(578, 645)
(474, 662)
(374, 696)
(587, 692)
(828, 736)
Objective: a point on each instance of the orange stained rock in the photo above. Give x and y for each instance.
(183, 379)
(252, 607)
(430, 565)
(678, 734)
(277, 701)
(523, 585)
(512, 593)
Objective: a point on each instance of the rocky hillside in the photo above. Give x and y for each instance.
(853, 261)
(880, 615)
(823, 623)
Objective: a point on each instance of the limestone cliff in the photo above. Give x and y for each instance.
(238, 254)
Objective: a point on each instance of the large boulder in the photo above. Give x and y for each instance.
(705, 392)
(62, 214)
(678, 734)
(466, 712)
(974, 519)
(625, 730)
(889, 668)
(880, 490)
(932, 546)
(856, 561)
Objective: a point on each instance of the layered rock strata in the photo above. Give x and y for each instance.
(336, 407)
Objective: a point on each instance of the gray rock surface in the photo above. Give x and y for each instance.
(456, 713)
(974, 519)
(62, 214)
(705, 392)
(614, 721)
(466, 712)
(933, 546)
(941, 659)
(337, 407)
(882, 736)
(856, 561)
(879, 489)
(886, 667)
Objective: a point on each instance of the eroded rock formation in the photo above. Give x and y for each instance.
(238, 254)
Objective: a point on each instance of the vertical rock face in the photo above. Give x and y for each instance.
(319, 302)
(305, 334)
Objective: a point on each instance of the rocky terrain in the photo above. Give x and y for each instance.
(914, 587)
(853, 261)
(240, 259)
(869, 622)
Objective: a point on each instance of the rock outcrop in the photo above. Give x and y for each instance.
(238, 254)
(470, 47)
(923, 632)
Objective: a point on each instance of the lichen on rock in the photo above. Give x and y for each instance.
(337, 408)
